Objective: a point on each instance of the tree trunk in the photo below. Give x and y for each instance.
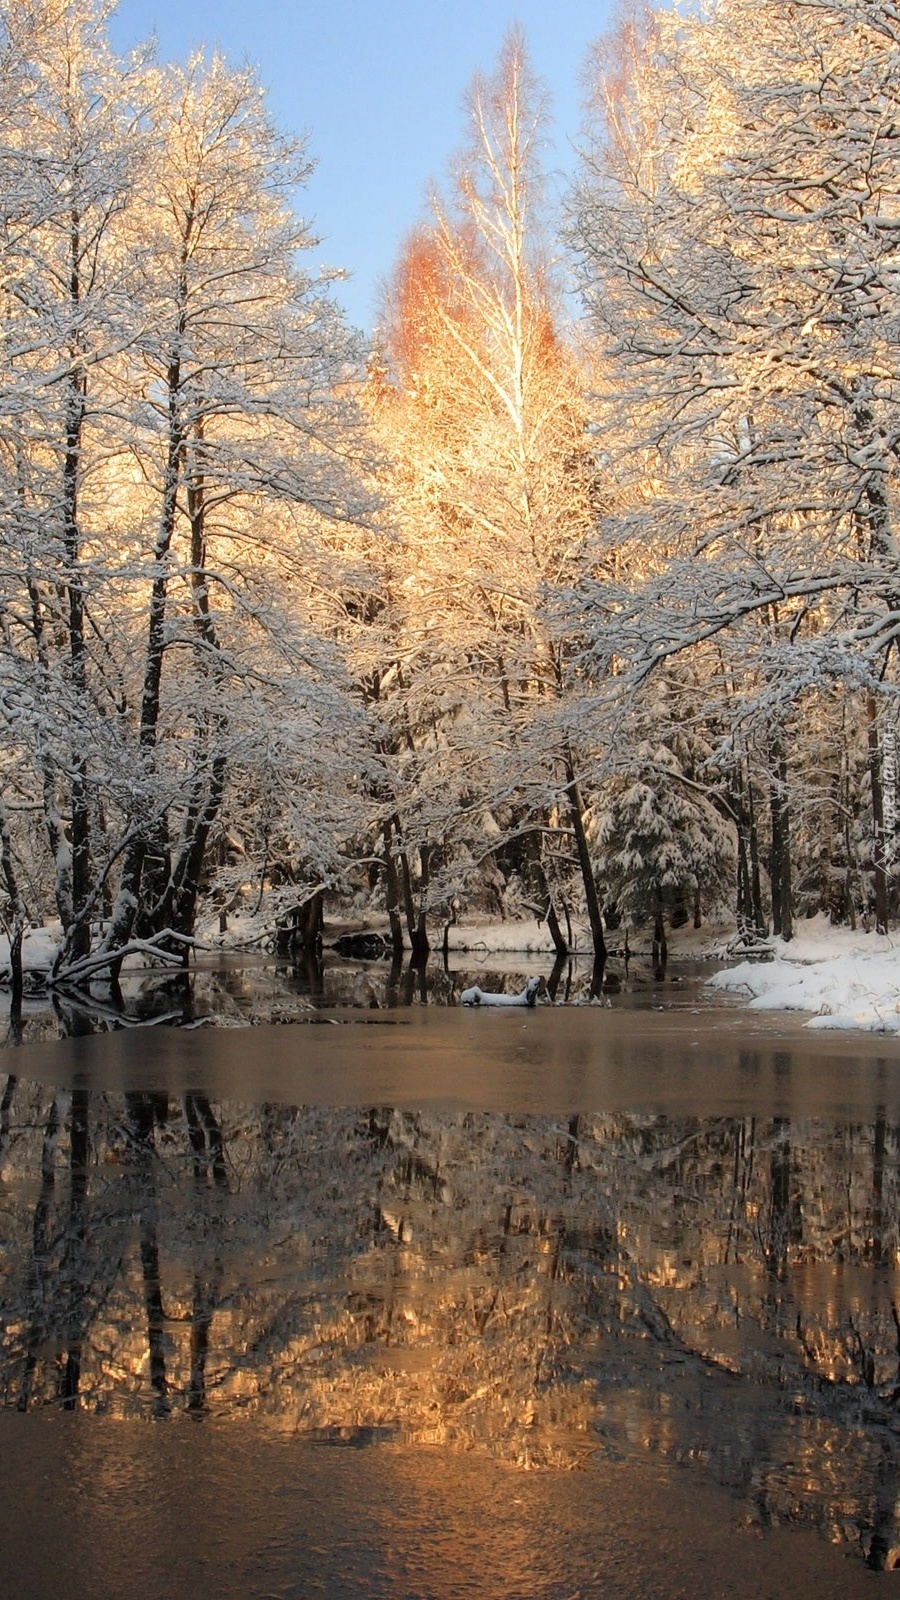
(392, 878)
(415, 916)
(759, 919)
(780, 858)
(78, 934)
(660, 950)
(879, 840)
(592, 898)
(418, 933)
(17, 919)
(128, 900)
(879, 542)
(744, 911)
(60, 848)
(312, 923)
(302, 931)
(180, 911)
(179, 908)
(533, 850)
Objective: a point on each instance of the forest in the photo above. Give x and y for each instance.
(571, 594)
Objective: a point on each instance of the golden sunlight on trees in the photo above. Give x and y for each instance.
(508, 615)
(179, 429)
(479, 402)
(738, 259)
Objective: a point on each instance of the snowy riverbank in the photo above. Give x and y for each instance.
(846, 979)
(843, 979)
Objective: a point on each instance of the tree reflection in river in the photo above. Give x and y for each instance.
(721, 1291)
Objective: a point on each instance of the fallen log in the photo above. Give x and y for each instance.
(483, 997)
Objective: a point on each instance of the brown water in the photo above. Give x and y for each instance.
(426, 1303)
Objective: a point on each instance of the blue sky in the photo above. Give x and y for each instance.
(378, 87)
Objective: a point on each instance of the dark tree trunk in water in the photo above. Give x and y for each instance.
(660, 951)
(308, 935)
(303, 927)
(415, 918)
(418, 932)
(560, 944)
(533, 852)
(559, 967)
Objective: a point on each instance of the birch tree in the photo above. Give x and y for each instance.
(493, 482)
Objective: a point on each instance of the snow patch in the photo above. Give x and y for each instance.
(846, 979)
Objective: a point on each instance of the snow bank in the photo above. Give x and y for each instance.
(39, 947)
(847, 980)
(496, 938)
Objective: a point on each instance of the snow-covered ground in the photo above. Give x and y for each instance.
(847, 980)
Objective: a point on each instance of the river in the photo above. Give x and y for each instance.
(426, 1302)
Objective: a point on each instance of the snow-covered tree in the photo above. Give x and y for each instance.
(178, 431)
(72, 150)
(480, 402)
(738, 254)
(250, 439)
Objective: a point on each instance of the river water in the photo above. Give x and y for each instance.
(426, 1302)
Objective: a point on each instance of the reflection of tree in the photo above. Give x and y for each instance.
(142, 1113)
(75, 1235)
(716, 1290)
(40, 1249)
(206, 1139)
(6, 1100)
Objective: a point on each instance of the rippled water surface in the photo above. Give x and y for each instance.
(421, 1302)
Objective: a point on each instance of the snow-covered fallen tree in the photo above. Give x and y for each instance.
(483, 997)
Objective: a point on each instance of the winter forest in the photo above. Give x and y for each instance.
(573, 595)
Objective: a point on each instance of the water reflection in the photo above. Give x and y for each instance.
(721, 1292)
(239, 988)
